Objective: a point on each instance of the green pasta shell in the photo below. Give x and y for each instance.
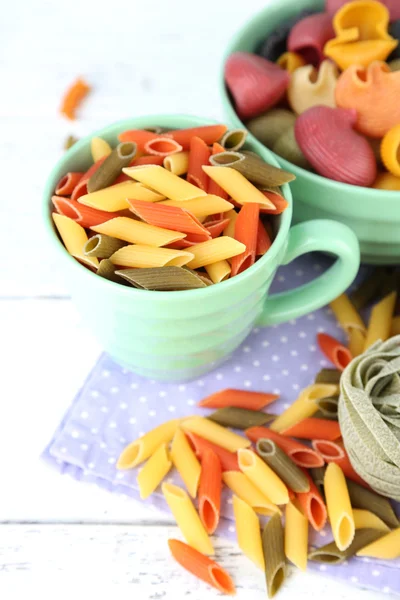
(287, 147)
(162, 279)
(240, 418)
(268, 128)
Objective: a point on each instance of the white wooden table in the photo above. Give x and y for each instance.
(141, 57)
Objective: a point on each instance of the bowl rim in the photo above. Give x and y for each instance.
(388, 196)
(142, 122)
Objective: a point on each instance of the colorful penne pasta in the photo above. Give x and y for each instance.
(339, 506)
(248, 532)
(247, 491)
(154, 471)
(336, 352)
(228, 459)
(296, 536)
(186, 463)
(313, 506)
(74, 238)
(301, 455)
(141, 449)
(210, 490)
(310, 428)
(215, 433)
(239, 399)
(262, 476)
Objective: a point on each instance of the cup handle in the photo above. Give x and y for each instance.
(323, 236)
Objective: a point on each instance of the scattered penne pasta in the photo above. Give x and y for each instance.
(138, 451)
(300, 454)
(154, 471)
(274, 555)
(262, 476)
(248, 532)
(247, 491)
(210, 491)
(339, 506)
(186, 463)
(239, 399)
(215, 433)
(296, 536)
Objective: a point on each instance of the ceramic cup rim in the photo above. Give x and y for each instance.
(147, 121)
(389, 197)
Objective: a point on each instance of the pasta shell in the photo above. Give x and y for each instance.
(269, 127)
(387, 181)
(290, 61)
(374, 93)
(332, 6)
(255, 83)
(309, 87)
(309, 36)
(275, 44)
(390, 151)
(362, 35)
(327, 139)
(287, 147)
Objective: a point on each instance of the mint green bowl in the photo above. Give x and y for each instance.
(175, 336)
(374, 215)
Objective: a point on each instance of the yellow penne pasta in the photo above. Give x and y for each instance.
(114, 198)
(163, 181)
(202, 207)
(380, 322)
(178, 163)
(215, 433)
(296, 536)
(138, 451)
(356, 341)
(386, 547)
(237, 186)
(185, 462)
(248, 532)
(305, 405)
(249, 493)
(136, 232)
(154, 471)
(187, 518)
(214, 251)
(74, 238)
(339, 507)
(262, 476)
(229, 230)
(364, 519)
(346, 314)
(145, 257)
(395, 329)
(219, 271)
(99, 148)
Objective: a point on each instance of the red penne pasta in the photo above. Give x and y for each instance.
(347, 468)
(170, 217)
(310, 428)
(213, 187)
(162, 146)
(238, 399)
(210, 490)
(68, 183)
(199, 155)
(313, 506)
(81, 187)
(73, 98)
(328, 449)
(300, 454)
(147, 160)
(338, 354)
(246, 229)
(202, 567)
(229, 461)
(86, 216)
(122, 178)
(139, 136)
(263, 240)
(278, 201)
(208, 133)
(215, 228)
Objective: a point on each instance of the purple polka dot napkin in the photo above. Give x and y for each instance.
(115, 406)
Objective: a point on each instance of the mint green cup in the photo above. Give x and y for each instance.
(373, 215)
(176, 336)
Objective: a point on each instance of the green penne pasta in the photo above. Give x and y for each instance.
(240, 418)
(360, 497)
(369, 289)
(283, 466)
(287, 147)
(258, 172)
(269, 127)
(328, 376)
(162, 279)
(394, 65)
(107, 270)
(70, 141)
(328, 407)
(234, 139)
(102, 246)
(109, 170)
(318, 474)
(274, 555)
(331, 554)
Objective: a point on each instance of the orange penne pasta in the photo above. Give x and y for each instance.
(263, 240)
(86, 216)
(68, 183)
(199, 155)
(310, 428)
(347, 468)
(215, 228)
(73, 98)
(169, 217)
(139, 136)
(328, 450)
(301, 455)
(208, 133)
(246, 228)
(213, 187)
(238, 399)
(161, 146)
(210, 490)
(277, 200)
(81, 187)
(202, 567)
(313, 505)
(229, 461)
(145, 160)
(336, 352)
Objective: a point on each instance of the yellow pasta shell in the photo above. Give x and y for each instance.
(390, 151)
(387, 181)
(290, 61)
(309, 87)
